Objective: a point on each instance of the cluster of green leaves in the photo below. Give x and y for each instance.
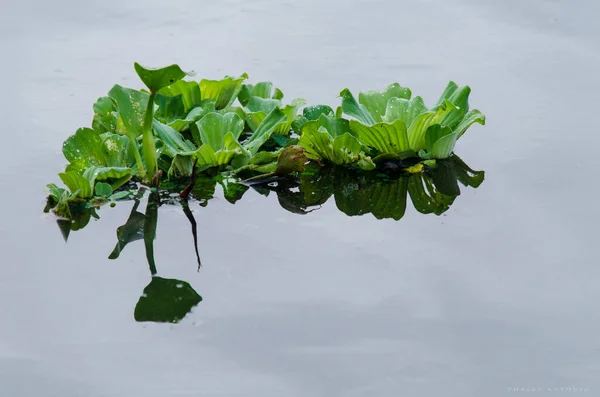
(174, 125)
(387, 125)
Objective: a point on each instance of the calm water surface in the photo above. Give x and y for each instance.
(500, 292)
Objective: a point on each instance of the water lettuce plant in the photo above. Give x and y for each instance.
(177, 127)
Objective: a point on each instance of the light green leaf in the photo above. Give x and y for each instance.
(173, 140)
(376, 101)
(444, 146)
(77, 184)
(132, 105)
(212, 128)
(433, 134)
(264, 131)
(416, 131)
(155, 79)
(405, 110)
(352, 108)
(117, 151)
(474, 116)
(384, 137)
(223, 91)
(103, 189)
(189, 91)
(117, 176)
(84, 149)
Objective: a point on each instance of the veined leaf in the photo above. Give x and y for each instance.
(174, 142)
(433, 134)
(444, 146)
(189, 91)
(77, 184)
(84, 149)
(341, 150)
(376, 101)
(223, 91)
(131, 105)
(155, 79)
(417, 130)
(405, 110)
(106, 118)
(352, 108)
(264, 131)
(264, 89)
(384, 137)
(117, 176)
(212, 128)
(474, 116)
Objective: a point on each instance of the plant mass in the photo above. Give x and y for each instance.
(177, 129)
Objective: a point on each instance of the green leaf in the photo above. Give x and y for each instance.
(117, 176)
(103, 189)
(474, 116)
(384, 137)
(132, 105)
(433, 134)
(166, 301)
(417, 130)
(84, 149)
(106, 118)
(352, 108)
(444, 146)
(155, 79)
(117, 151)
(77, 184)
(341, 150)
(213, 127)
(173, 140)
(375, 102)
(264, 130)
(223, 91)
(188, 90)
(263, 89)
(405, 110)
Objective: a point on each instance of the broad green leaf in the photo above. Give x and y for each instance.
(417, 130)
(84, 149)
(264, 131)
(447, 94)
(188, 90)
(263, 89)
(434, 133)
(375, 102)
(106, 118)
(132, 105)
(352, 108)
(444, 146)
(223, 91)
(405, 110)
(155, 79)
(116, 176)
(474, 116)
(77, 184)
(169, 108)
(384, 137)
(173, 140)
(212, 128)
(117, 151)
(103, 189)
(166, 301)
(342, 150)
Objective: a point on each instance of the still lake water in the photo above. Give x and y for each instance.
(500, 292)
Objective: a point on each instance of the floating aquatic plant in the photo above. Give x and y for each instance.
(177, 128)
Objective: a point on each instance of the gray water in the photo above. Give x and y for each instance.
(499, 296)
